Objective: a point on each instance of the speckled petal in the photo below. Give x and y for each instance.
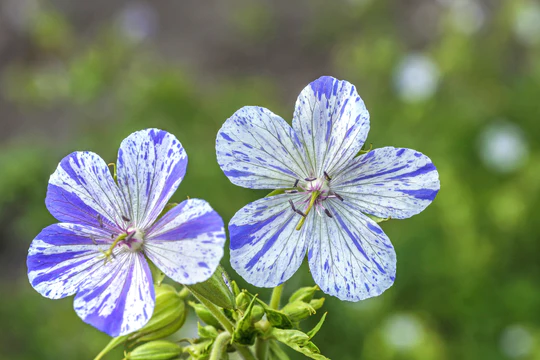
(332, 123)
(266, 249)
(349, 255)
(118, 298)
(62, 256)
(82, 191)
(389, 182)
(257, 149)
(151, 165)
(187, 242)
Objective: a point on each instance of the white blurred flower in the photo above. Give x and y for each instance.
(416, 78)
(516, 341)
(403, 332)
(467, 16)
(527, 23)
(503, 147)
(138, 21)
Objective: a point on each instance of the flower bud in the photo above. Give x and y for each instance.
(169, 315)
(257, 313)
(298, 310)
(304, 294)
(317, 303)
(205, 315)
(155, 350)
(217, 289)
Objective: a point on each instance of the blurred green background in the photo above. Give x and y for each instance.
(458, 80)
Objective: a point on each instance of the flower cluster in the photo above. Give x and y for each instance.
(329, 196)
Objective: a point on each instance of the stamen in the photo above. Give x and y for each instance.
(296, 182)
(125, 218)
(93, 239)
(299, 212)
(310, 179)
(109, 252)
(292, 205)
(328, 213)
(338, 196)
(291, 191)
(314, 196)
(100, 220)
(328, 178)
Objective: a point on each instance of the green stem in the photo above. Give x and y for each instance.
(226, 323)
(111, 345)
(276, 297)
(220, 345)
(261, 348)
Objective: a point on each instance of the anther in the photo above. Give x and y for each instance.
(291, 191)
(328, 178)
(300, 213)
(328, 213)
(338, 196)
(100, 220)
(296, 182)
(310, 179)
(292, 205)
(125, 218)
(130, 236)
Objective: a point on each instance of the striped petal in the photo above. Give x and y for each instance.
(82, 191)
(389, 182)
(118, 298)
(187, 243)
(350, 257)
(259, 150)
(332, 123)
(61, 257)
(151, 165)
(266, 248)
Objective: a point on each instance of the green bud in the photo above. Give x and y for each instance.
(245, 332)
(169, 315)
(298, 310)
(317, 303)
(235, 288)
(242, 300)
(217, 289)
(199, 350)
(304, 294)
(205, 315)
(207, 332)
(257, 313)
(155, 350)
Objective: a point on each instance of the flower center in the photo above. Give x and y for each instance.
(134, 239)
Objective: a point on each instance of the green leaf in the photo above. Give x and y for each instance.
(317, 327)
(299, 342)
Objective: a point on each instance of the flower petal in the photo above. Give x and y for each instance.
(266, 248)
(389, 182)
(118, 298)
(332, 123)
(61, 256)
(187, 242)
(259, 150)
(82, 191)
(151, 165)
(350, 257)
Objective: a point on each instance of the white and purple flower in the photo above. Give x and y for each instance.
(330, 191)
(107, 228)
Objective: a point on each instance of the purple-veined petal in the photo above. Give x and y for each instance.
(349, 255)
(259, 150)
(389, 182)
(187, 242)
(118, 297)
(61, 257)
(266, 248)
(332, 122)
(151, 165)
(82, 191)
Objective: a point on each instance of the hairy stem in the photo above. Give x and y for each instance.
(276, 297)
(220, 346)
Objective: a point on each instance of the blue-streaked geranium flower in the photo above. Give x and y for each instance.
(107, 228)
(330, 190)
